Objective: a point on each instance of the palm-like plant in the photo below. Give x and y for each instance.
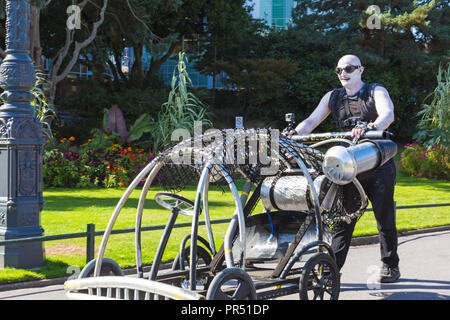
(181, 111)
(434, 123)
(44, 111)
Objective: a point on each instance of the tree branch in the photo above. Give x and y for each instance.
(78, 46)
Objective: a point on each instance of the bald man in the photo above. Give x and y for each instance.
(359, 107)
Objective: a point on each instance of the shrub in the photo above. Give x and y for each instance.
(418, 161)
(58, 170)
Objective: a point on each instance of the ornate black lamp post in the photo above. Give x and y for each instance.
(21, 144)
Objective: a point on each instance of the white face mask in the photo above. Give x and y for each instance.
(348, 80)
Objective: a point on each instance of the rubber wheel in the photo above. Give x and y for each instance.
(109, 268)
(320, 278)
(203, 257)
(232, 284)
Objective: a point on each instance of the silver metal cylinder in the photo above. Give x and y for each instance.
(286, 193)
(341, 165)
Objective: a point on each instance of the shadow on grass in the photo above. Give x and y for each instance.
(62, 202)
(53, 268)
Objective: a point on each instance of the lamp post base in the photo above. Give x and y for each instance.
(28, 255)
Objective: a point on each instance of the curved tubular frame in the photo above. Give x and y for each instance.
(139, 212)
(229, 235)
(361, 192)
(212, 245)
(194, 227)
(313, 190)
(183, 246)
(197, 208)
(117, 210)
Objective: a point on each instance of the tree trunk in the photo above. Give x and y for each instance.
(35, 37)
(138, 68)
(155, 65)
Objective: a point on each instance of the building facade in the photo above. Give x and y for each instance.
(275, 13)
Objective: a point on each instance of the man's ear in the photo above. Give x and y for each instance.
(361, 69)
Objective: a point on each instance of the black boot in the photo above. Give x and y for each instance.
(389, 274)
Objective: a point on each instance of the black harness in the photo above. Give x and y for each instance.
(340, 110)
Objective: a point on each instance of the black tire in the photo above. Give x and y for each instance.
(203, 257)
(232, 284)
(320, 278)
(109, 268)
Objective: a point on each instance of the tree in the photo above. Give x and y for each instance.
(160, 28)
(260, 83)
(64, 48)
(229, 35)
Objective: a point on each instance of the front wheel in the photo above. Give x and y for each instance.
(320, 278)
(203, 258)
(232, 284)
(108, 268)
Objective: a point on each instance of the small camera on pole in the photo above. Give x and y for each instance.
(290, 119)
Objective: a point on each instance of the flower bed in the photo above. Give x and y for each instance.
(102, 161)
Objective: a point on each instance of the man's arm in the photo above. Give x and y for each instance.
(385, 110)
(316, 117)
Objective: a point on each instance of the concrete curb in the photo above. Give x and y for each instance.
(362, 241)
(359, 241)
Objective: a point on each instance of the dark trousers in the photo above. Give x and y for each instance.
(379, 187)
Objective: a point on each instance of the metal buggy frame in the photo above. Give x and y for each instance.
(214, 273)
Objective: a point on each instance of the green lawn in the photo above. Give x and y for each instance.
(70, 210)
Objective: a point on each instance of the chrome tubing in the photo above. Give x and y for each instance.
(139, 213)
(207, 217)
(194, 227)
(229, 235)
(313, 190)
(117, 210)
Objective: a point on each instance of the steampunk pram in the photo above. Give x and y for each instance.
(282, 249)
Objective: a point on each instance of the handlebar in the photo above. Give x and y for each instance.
(315, 137)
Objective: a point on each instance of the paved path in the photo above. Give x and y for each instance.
(424, 268)
(424, 265)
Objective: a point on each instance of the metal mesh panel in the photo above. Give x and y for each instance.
(244, 154)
